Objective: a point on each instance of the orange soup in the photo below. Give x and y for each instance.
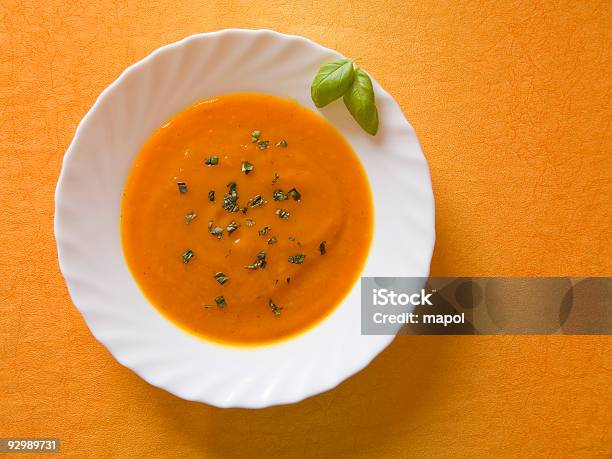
(246, 219)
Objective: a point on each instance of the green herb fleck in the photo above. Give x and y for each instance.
(259, 263)
(282, 214)
(182, 186)
(249, 222)
(211, 195)
(211, 161)
(278, 195)
(275, 178)
(256, 201)
(265, 230)
(231, 227)
(281, 144)
(322, 248)
(217, 231)
(295, 194)
(191, 216)
(263, 144)
(230, 200)
(222, 278)
(187, 256)
(272, 240)
(220, 301)
(247, 167)
(297, 259)
(255, 135)
(275, 309)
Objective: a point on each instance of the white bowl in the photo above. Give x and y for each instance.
(88, 199)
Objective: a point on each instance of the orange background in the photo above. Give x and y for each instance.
(511, 102)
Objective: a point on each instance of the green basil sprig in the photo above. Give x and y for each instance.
(332, 81)
(342, 78)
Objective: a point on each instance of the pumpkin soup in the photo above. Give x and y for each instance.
(246, 219)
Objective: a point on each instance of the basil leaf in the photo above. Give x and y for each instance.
(332, 81)
(275, 308)
(259, 263)
(297, 259)
(359, 100)
(191, 216)
(217, 231)
(256, 201)
(263, 144)
(231, 227)
(295, 194)
(221, 277)
(282, 214)
(278, 195)
(187, 256)
(211, 161)
(247, 167)
(264, 231)
(230, 200)
(220, 301)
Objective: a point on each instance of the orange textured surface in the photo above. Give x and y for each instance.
(511, 101)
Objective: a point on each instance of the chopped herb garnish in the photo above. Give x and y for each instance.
(264, 231)
(281, 144)
(249, 222)
(217, 231)
(263, 144)
(256, 201)
(247, 167)
(182, 186)
(282, 214)
(291, 238)
(233, 226)
(222, 278)
(272, 240)
(295, 194)
(211, 161)
(297, 259)
(259, 263)
(275, 178)
(187, 256)
(220, 301)
(230, 200)
(211, 195)
(255, 135)
(322, 247)
(275, 309)
(278, 195)
(191, 216)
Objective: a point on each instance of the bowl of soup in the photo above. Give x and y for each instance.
(213, 225)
